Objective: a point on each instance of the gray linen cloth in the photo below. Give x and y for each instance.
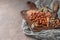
(53, 34)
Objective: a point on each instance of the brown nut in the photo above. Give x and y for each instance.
(55, 7)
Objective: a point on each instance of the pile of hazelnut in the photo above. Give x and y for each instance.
(42, 20)
(39, 18)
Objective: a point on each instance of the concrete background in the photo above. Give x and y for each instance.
(10, 20)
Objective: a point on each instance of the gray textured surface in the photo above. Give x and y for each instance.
(10, 20)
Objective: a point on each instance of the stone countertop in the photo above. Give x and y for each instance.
(10, 20)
